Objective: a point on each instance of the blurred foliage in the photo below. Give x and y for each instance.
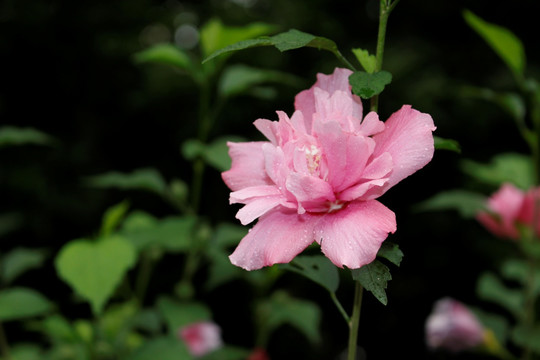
(102, 102)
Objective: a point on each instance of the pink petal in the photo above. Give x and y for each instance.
(310, 191)
(242, 195)
(248, 166)
(257, 207)
(338, 81)
(409, 140)
(363, 191)
(352, 236)
(346, 154)
(371, 124)
(277, 237)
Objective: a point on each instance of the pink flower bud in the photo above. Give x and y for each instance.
(201, 338)
(452, 326)
(258, 354)
(509, 208)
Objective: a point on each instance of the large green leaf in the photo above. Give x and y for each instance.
(179, 314)
(502, 41)
(162, 348)
(366, 85)
(316, 268)
(18, 261)
(506, 167)
(174, 233)
(20, 303)
(374, 277)
(238, 79)
(26, 351)
(282, 309)
(292, 39)
(94, 269)
(215, 35)
(147, 179)
(12, 136)
(466, 203)
(164, 54)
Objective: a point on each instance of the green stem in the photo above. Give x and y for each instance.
(355, 321)
(143, 277)
(4, 346)
(386, 8)
(340, 307)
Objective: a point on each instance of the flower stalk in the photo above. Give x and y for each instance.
(355, 321)
(386, 7)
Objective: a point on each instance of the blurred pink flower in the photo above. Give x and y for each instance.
(201, 338)
(258, 354)
(318, 176)
(453, 327)
(507, 209)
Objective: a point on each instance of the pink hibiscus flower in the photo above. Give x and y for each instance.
(509, 208)
(201, 337)
(319, 175)
(452, 326)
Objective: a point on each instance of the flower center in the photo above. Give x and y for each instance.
(313, 158)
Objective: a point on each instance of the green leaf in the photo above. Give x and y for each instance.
(94, 269)
(147, 179)
(174, 233)
(227, 353)
(18, 261)
(58, 328)
(215, 35)
(466, 203)
(24, 351)
(507, 167)
(215, 154)
(117, 319)
(221, 270)
(316, 268)
(519, 270)
(368, 62)
(374, 277)
(237, 79)
(227, 235)
(164, 54)
(13, 136)
(527, 337)
(368, 85)
(490, 288)
(113, 217)
(179, 314)
(494, 322)
(446, 144)
(292, 39)
(282, 309)
(162, 348)
(391, 252)
(19, 303)
(501, 40)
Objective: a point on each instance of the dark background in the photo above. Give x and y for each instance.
(66, 68)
